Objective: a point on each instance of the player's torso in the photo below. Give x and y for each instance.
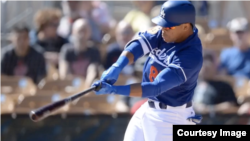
(159, 59)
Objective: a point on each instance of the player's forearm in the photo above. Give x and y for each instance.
(135, 50)
(133, 90)
(144, 89)
(130, 54)
(165, 80)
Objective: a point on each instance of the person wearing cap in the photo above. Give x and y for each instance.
(235, 61)
(170, 74)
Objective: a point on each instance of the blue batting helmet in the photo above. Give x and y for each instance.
(174, 13)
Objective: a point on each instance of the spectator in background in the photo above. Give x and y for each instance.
(235, 61)
(98, 16)
(71, 13)
(213, 92)
(155, 12)
(47, 22)
(124, 33)
(79, 58)
(21, 59)
(139, 18)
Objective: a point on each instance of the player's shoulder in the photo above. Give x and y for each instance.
(153, 31)
(191, 54)
(151, 36)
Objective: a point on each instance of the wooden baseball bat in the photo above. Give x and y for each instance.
(43, 112)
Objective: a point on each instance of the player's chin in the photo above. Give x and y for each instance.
(167, 40)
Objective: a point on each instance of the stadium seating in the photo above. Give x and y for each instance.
(7, 104)
(20, 85)
(29, 103)
(69, 85)
(17, 87)
(103, 104)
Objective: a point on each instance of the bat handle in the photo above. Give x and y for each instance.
(97, 88)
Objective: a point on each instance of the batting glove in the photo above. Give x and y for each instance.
(105, 88)
(111, 75)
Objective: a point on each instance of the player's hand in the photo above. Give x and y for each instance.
(111, 75)
(105, 88)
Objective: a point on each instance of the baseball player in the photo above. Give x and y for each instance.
(169, 76)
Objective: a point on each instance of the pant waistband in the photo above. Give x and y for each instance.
(159, 105)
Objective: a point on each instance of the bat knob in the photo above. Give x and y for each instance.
(97, 88)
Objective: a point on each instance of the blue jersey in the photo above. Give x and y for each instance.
(186, 56)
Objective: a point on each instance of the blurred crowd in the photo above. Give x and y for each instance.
(83, 39)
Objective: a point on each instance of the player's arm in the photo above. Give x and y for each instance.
(139, 46)
(131, 53)
(178, 72)
(183, 67)
(165, 80)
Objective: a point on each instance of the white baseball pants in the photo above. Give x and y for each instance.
(155, 124)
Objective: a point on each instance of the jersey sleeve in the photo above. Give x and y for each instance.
(149, 39)
(165, 80)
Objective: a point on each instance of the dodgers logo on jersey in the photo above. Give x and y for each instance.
(161, 56)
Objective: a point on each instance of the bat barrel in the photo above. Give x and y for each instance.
(35, 117)
(41, 113)
(45, 111)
